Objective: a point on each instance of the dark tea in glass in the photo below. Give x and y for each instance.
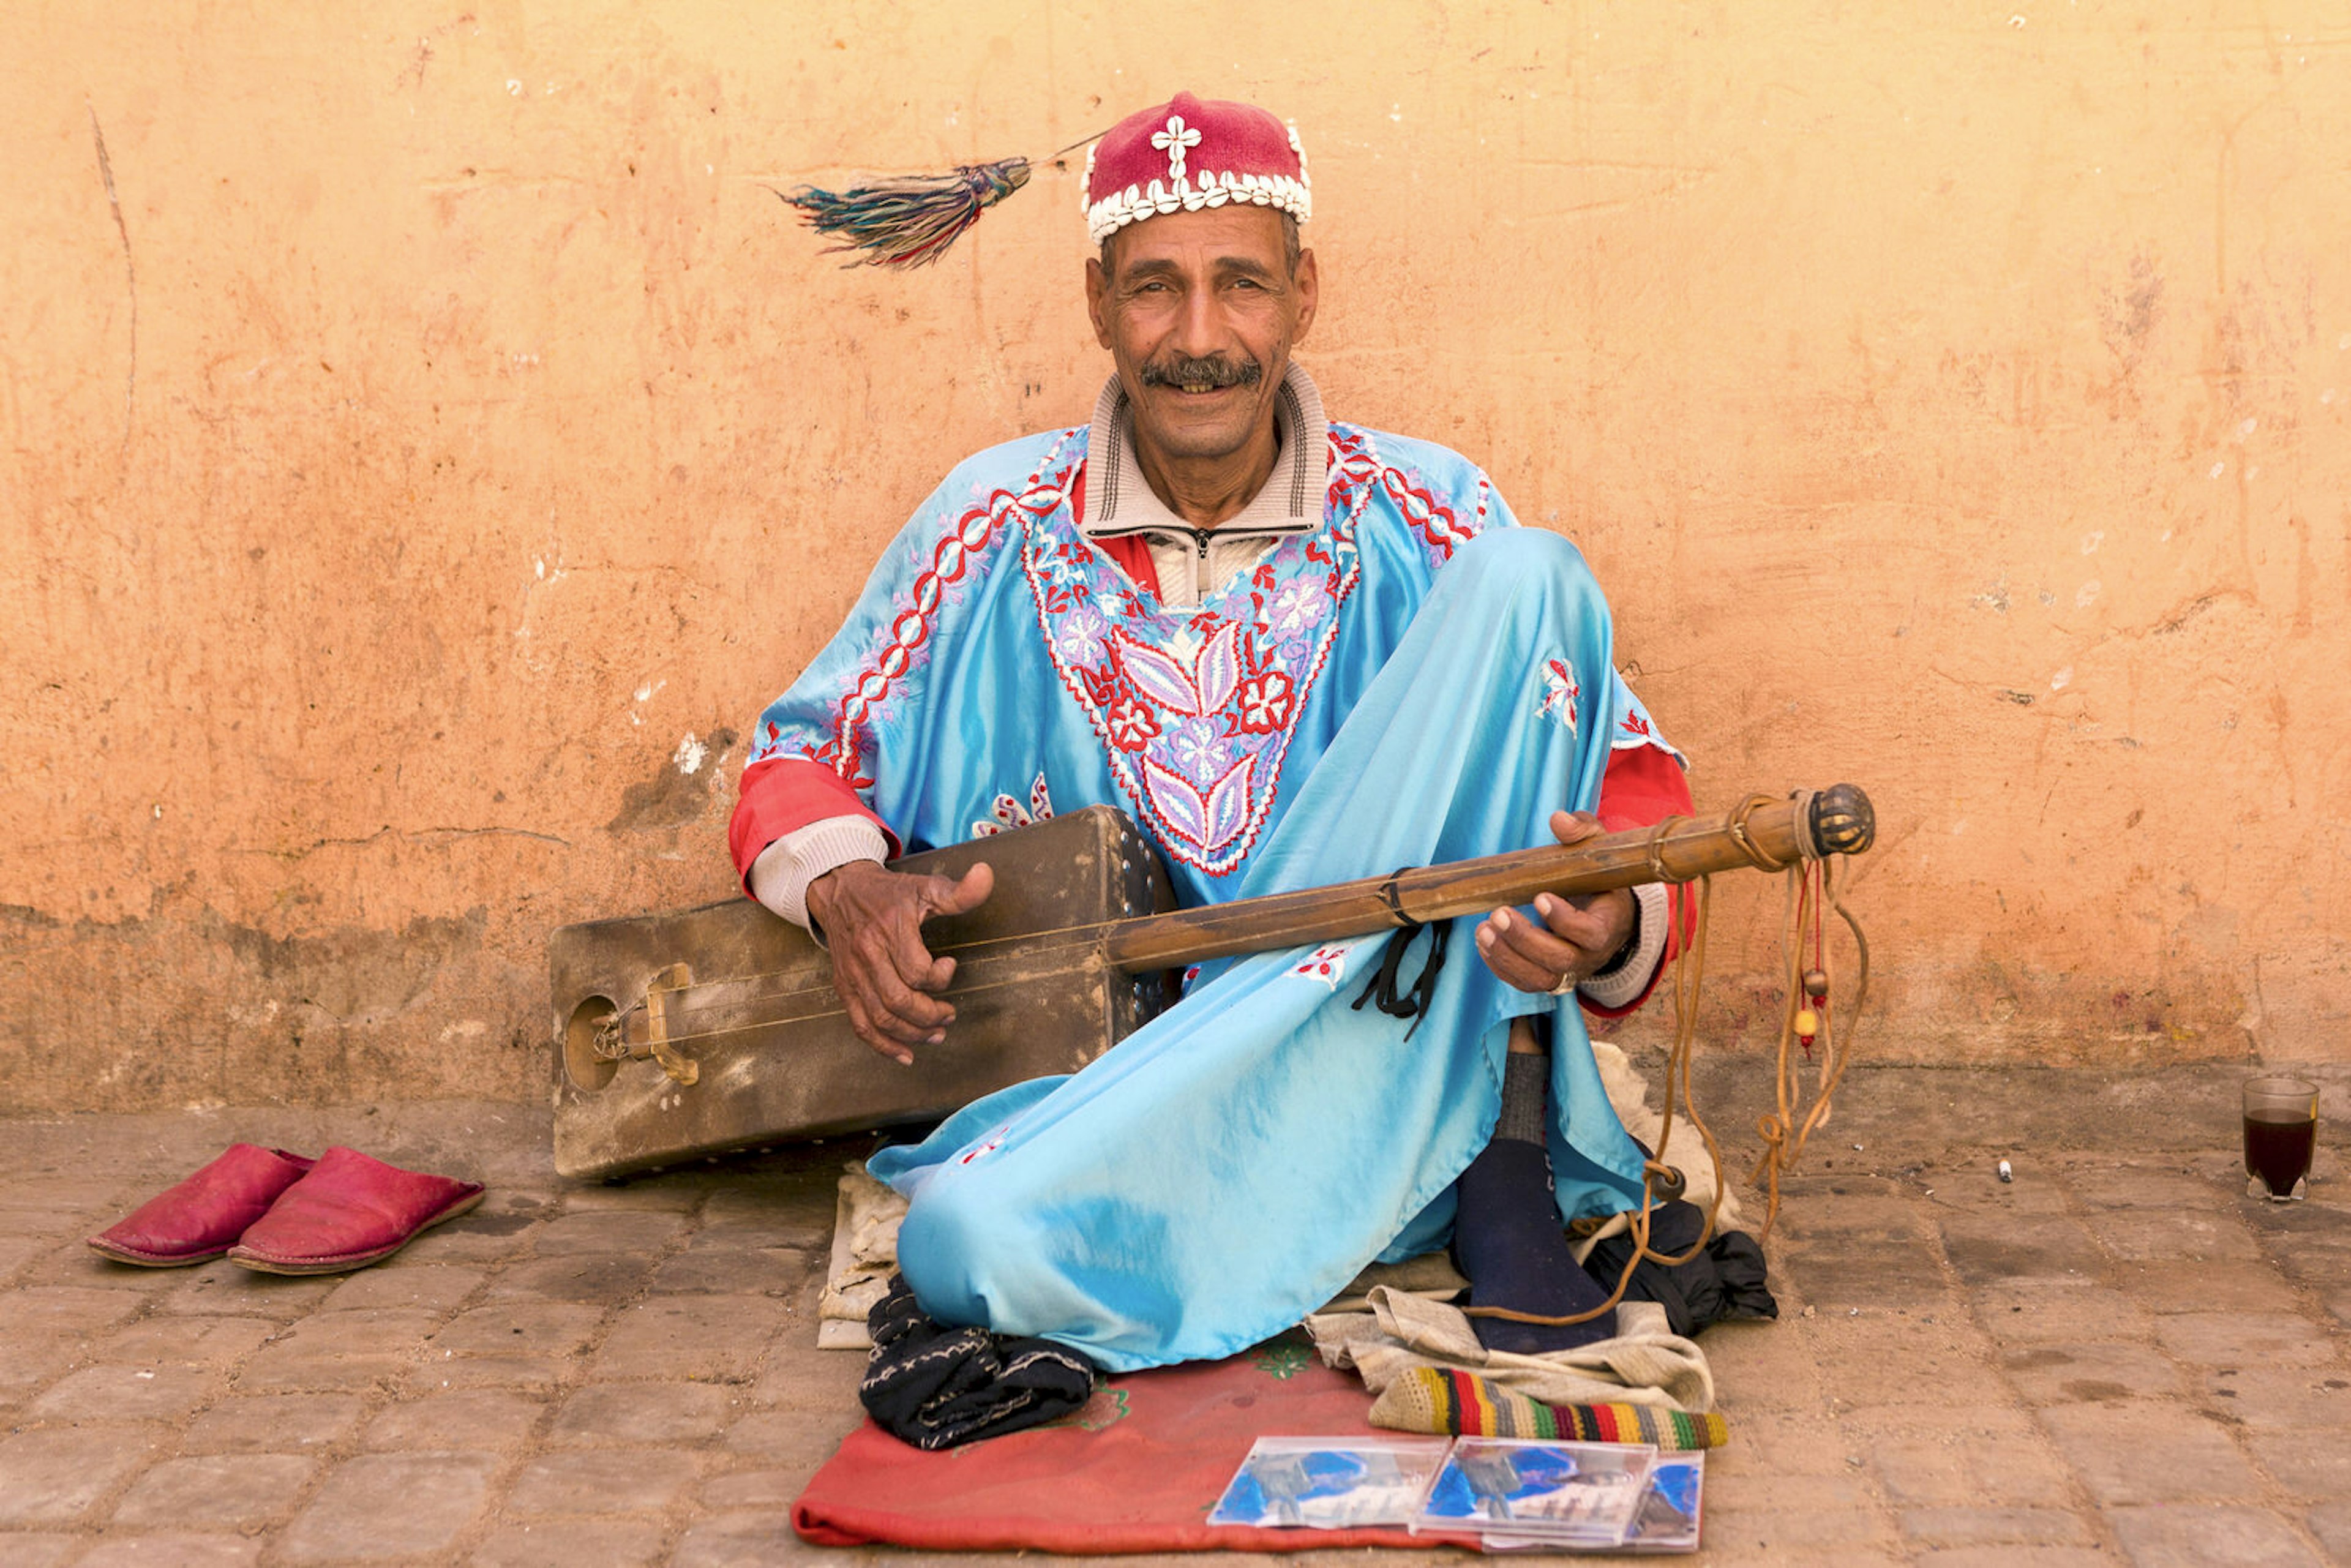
(2281, 1135)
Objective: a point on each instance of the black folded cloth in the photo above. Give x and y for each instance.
(936, 1386)
(1726, 1281)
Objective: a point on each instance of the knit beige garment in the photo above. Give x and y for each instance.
(1644, 1364)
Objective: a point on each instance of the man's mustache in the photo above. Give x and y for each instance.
(1214, 371)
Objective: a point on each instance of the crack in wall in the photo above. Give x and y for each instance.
(130, 271)
(409, 835)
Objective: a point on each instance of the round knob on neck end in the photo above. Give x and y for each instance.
(1840, 820)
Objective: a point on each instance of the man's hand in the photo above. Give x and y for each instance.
(1579, 935)
(873, 919)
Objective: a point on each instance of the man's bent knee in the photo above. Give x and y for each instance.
(951, 1242)
(1517, 562)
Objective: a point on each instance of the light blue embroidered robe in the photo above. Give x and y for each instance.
(1417, 681)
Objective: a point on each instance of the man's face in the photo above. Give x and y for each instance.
(1199, 309)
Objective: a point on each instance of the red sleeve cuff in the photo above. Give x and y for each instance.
(1642, 787)
(785, 794)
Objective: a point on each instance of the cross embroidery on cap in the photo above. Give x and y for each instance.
(1175, 141)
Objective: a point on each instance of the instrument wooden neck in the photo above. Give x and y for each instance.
(1764, 833)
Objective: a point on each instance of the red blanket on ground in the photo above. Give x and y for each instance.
(1136, 1471)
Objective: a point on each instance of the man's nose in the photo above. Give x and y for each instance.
(1200, 326)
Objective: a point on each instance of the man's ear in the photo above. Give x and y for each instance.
(1098, 299)
(1308, 282)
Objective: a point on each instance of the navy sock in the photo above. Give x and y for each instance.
(1506, 1236)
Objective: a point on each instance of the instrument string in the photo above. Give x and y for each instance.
(1308, 925)
(821, 1013)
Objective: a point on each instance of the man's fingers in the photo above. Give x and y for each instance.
(1552, 954)
(1574, 827)
(861, 1021)
(889, 1031)
(960, 897)
(1586, 928)
(917, 1015)
(908, 959)
(1522, 953)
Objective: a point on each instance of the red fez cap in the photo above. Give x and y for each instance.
(1190, 154)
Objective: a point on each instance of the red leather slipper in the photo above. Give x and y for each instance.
(200, 1217)
(348, 1212)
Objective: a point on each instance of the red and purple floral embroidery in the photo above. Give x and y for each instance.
(1196, 708)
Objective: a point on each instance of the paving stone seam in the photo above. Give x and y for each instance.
(2274, 1497)
(2082, 1501)
(499, 1487)
(674, 1518)
(94, 1517)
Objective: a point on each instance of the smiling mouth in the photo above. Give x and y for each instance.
(1200, 377)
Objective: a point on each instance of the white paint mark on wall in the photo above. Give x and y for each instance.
(2062, 679)
(2090, 541)
(540, 568)
(645, 692)
(2218, 469)
(2087, 595)
(514, 87)
(2247, 428)
(689, 754)
(466, 1029)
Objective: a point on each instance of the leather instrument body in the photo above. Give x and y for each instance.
(715, 1029)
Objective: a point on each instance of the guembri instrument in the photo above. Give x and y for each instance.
(711, 1030)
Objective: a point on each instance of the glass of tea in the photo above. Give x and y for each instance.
(2281, 1134)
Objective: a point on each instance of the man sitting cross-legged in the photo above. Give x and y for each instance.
(1295, 651)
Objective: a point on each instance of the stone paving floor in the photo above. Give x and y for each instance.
(2114, 1358)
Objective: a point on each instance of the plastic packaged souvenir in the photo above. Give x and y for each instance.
(1669, 1517)
(1330, 1484)
(1561, 1494)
